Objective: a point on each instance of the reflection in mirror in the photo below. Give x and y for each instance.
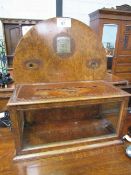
(109, 38)
(25, 29)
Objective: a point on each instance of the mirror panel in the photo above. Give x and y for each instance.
(109, 38)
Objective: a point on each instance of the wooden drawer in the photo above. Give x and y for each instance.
(5, 95)
(123, 59)
(126, 76)
(3, 104)
(123, 68)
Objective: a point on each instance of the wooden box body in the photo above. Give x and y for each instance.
(57, 118)
(60, 103)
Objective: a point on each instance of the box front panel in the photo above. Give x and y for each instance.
(59, 125)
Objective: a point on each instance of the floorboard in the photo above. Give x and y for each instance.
(103, 161)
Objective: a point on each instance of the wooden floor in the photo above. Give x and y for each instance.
(103, 161)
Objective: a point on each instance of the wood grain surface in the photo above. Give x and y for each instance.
(101, 161)
(37, 60)
(28, 94)
(121, 65)
(30, 102)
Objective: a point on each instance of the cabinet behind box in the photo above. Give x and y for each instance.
(113, 27)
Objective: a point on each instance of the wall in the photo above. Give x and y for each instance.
(43, 9)
(80, 9)
(34, 9)
(1, 31)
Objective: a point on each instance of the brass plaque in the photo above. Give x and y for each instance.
(63, 45)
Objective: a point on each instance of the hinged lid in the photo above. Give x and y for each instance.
(63, 92)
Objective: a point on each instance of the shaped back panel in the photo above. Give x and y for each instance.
(52, 53)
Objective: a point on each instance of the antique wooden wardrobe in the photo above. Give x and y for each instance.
(113, 27)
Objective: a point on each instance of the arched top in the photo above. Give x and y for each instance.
(58, 50)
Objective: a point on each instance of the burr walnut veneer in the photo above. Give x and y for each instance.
(49, 53)
(63, 117)
(61, 102)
